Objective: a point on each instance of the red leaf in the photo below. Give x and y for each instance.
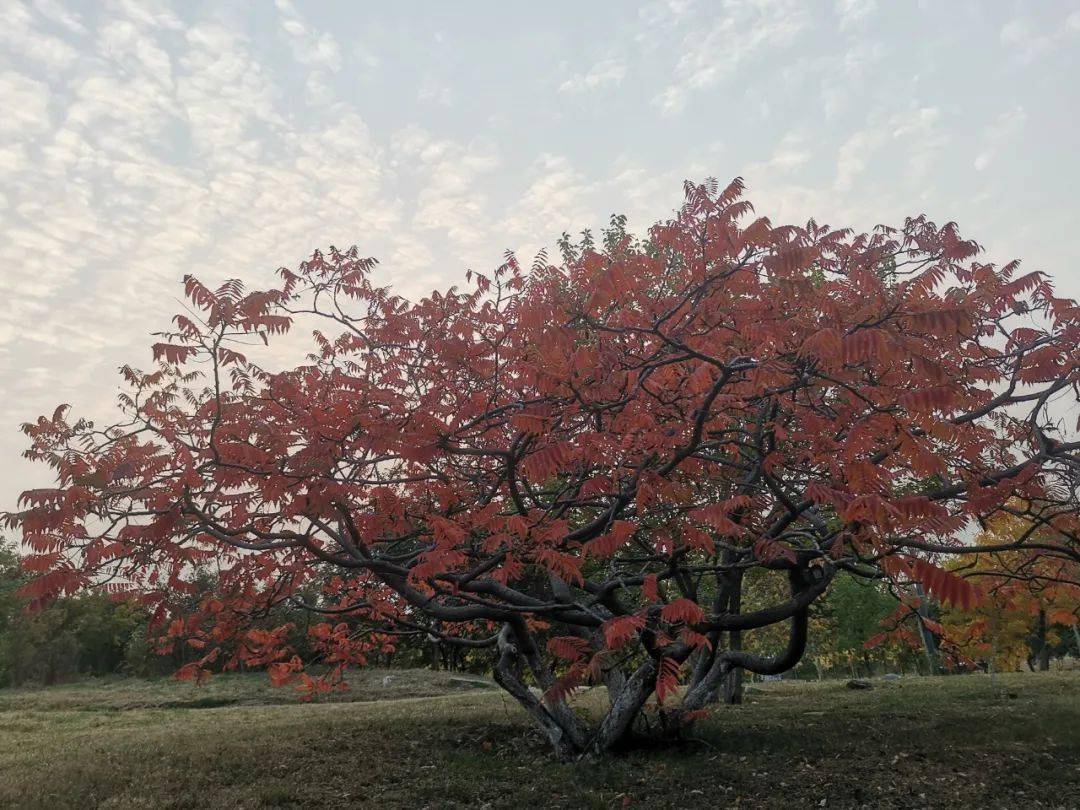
(683, 610)
(618, 536)
(620, 630)
(944, 585)
(650, 589)
(172, 353)
(568, 648)
(667, 678)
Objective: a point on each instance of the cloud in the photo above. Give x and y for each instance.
(20, 34)
(609, 72)
(222, 90)
(362, 54)
(556, 199)
(664, 13)
(150, 14)
(167, 152)
(672, 100)
(434, 91)
(450, 197)
(129, 45)
(916, 128)
(317, 51)
(854, 12)
(26, 105)
(56, 13)
(309, 47)
(1029, 41)
(145, 140)
(998, 135)
(712, 53)
(790, 154)
(844, 76)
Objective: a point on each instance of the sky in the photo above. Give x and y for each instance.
(141, 140)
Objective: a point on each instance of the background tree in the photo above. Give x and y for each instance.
(859, 607)
(87, 633)
(1031, 609)
(575, 466)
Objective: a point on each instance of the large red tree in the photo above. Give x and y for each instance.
(575, 465)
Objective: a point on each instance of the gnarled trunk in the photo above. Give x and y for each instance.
(563, 729)
(712, 670)
(733, 683)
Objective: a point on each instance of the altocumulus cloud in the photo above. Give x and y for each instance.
(141, 140)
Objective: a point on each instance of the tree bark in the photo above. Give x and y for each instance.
(629, 694)
(1043, 654)
(930, 644)
(804, 583)
(733, 682)
(617, 724)
(555, 718)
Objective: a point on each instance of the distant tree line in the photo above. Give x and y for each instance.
(93, 634)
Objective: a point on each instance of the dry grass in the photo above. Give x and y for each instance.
(931, 742)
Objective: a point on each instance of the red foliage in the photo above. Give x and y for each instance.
(577, 452)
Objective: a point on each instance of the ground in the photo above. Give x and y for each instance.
(423, 741)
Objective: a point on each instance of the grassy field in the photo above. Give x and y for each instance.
(424, 742)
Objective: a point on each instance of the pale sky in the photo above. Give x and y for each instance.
(140, 141)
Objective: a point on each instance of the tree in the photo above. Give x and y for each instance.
(859, 607)
(85, 633)
(573, 466)
(1031, 602)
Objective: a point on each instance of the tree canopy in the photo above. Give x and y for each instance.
(575, 464)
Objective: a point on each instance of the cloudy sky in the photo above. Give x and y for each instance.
(141, 141)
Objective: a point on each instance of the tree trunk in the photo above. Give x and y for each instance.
(929, 642)
(1043, 654)
(616, 727)
(566, 732)
(559, 724)
(431, 652)
(733, 682)
(733, 687)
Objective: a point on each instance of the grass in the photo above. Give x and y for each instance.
(916, 742)
(249, 689)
